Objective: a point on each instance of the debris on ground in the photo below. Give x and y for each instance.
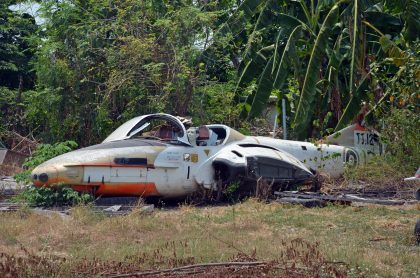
(312, 199)
(9, 187)
(113, 208)
(51, 213)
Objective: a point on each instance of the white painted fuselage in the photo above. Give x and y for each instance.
(123, 165)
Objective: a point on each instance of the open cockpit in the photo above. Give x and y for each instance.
(164, 127)
(208, 135)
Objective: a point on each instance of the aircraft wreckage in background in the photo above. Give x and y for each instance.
(154, 155)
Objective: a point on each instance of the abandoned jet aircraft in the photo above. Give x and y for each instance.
(154, 155)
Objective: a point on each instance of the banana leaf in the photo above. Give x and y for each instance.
(304, 112)
(251, 70)
(398, 57)
(253, 67)
(282, 69)
(353, 106)
(355, 63)
(237, 22)
(265, 86)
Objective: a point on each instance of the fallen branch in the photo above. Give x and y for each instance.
(204, 265)
(306, 202)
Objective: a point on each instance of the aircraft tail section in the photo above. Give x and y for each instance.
(357, 136)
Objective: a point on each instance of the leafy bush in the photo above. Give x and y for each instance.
(41, 154)
(215, 103)
(59, 196)
(402, 138)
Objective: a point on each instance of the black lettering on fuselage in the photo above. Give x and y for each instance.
(367, 139)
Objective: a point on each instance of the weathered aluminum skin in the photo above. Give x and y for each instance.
(126, 166)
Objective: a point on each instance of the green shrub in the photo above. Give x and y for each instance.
(61, 195)
(401, 136)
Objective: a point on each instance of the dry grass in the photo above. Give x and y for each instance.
(369, 240)
(382, 173)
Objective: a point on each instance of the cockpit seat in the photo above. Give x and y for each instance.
(206, 137)
(165, 132)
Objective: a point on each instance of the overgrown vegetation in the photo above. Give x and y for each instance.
(60, 195)
(401, 137)
(332, 50)
(402, 156)
(98, 64)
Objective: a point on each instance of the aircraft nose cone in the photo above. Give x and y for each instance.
(43, 175)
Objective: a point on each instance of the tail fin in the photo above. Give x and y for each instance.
(357, 136)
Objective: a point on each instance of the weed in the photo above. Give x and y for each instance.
(232, 188)
(61, 195)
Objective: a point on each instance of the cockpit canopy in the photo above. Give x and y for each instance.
(168, 128)
(154, 126)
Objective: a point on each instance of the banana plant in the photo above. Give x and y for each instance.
(305, 108)
(325, 45)
(285, 57)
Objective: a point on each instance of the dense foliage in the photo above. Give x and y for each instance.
(331, 49)
(99, 63)
(16, 57)
(91, 65)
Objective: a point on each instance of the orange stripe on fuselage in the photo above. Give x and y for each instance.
(111, 165)
(107, 189)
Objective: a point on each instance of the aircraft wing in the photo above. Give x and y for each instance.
(251, 162)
